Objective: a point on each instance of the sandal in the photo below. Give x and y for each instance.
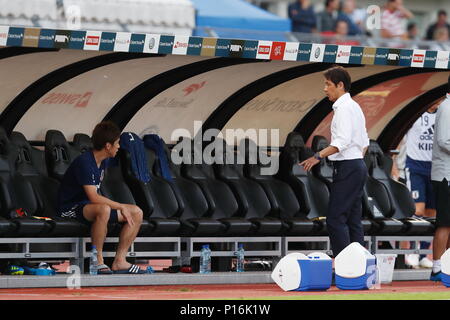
(103, 269)
(133, 269)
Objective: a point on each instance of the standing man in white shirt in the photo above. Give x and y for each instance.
(349, 142)
(440, 176)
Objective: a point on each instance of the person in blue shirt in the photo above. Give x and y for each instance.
(303, 17)
(346, 13)
(79, 198)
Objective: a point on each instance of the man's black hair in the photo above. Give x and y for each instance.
(103, 133)
(338, 74)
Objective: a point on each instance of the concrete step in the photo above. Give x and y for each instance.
(85, 280)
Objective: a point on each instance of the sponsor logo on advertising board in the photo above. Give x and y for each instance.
(393, 57)
(317, 52)
(250, 49)
(430, 59)
(304, 51)
(180, 45)
(31, 37)
(330, 53)
(291, 51)
(356, 54)
(77, 39)
(343, 54)
(381, 56)
(62, 39)
(15, 36)
(92, 40)
(122, 43)
(47, 38)
(405, 57)
(107, 41)
(3, 35)
(368, 56)
(208, 47)
(223, 47)
(418, 58)
(277, 50)
(166, 44)
(264, 49)
(194, 46)
(236, 48)
(137, 42)
(151, 44)
(442, 59)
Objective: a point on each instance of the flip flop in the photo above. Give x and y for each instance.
(134, 269)
(103, 269)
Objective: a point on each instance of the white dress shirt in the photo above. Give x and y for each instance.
(440, 166)
(348, 130)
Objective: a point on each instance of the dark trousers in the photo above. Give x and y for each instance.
(345, 205)
(442, 191)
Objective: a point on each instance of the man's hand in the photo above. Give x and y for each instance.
(395, 174)
(309, 163)
(125, 211)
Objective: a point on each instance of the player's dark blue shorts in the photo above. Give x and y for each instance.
(76, 212)
(421, 188)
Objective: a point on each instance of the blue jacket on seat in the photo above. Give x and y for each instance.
(135, 146)
(155, 143)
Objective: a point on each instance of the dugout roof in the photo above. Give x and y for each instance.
(71, 79)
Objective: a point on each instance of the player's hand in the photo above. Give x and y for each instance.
(126, 213)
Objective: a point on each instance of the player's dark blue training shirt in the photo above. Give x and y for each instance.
(83, 171)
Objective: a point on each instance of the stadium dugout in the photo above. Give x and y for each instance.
(57, 84)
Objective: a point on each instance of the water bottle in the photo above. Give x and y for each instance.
(93, 262)
(208, 265)
(240, 258)
(205, 259)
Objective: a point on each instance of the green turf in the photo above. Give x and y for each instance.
(363, 296)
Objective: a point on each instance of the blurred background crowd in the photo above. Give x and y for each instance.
(392, 23)
(424, 21)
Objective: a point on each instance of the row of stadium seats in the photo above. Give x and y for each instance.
(221, 199)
